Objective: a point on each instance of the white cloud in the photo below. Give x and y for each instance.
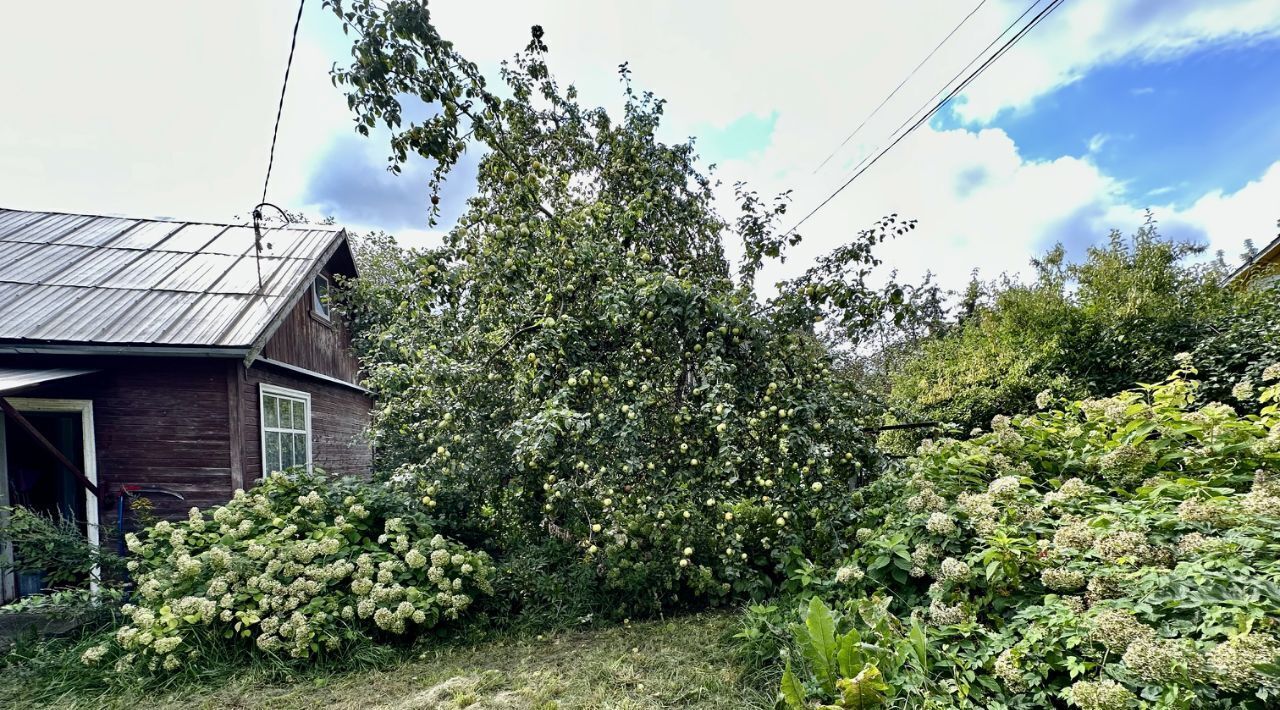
(154, 108)
(1228, 219)
(978, 201)
(161, 108)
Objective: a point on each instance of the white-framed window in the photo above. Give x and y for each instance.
(286, 428)
(320, 296)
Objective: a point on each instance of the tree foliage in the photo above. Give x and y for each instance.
(575, 373)
(1092, 327)
(1238, 345)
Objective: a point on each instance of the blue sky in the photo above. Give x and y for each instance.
(1172, 130)
(1108, 108)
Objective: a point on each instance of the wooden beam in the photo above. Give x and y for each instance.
(21, 421)
(235, 382)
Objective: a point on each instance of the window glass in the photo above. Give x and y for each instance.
(286, 438)
(272, 458)
(320, 296)
(286, 450)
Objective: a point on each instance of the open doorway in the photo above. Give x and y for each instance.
(32, 477)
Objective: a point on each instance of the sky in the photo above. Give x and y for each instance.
(1109, 108)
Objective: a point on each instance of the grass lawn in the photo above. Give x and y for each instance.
(684, 662)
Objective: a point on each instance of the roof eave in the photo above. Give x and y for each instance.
(20, 347)
(300, 290)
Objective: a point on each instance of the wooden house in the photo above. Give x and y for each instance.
(181, 357)
(1262, 269)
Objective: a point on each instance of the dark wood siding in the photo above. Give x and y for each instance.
(339, 422)
(307, 340)
(159, 422)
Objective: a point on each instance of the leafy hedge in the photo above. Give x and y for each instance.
(1239, 345)
(1112, 553)
(1080, 329)
(299, 565)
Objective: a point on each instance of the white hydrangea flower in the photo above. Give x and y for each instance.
(1105, 694)
(953, 570)
(848, 574)
(940, 523)
(93, 655)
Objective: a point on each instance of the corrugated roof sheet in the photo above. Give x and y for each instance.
(109, 280)
(13, 379)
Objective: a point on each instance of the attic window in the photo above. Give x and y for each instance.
(320, 296)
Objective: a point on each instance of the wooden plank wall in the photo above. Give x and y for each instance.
(157, 422)
(308, 341)
(339, 422)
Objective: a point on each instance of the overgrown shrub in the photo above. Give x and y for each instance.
(1079, 329)
(58, 548)
(81, 580)
(1100, 554)
(575, 379)
(299, 565)
(1238, 345)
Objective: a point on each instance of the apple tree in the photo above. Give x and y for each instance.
(576, 370)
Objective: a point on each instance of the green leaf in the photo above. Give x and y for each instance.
(820, 644)
(792, 691)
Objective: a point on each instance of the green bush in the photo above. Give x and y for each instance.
(1104, 553)
(58, 548)
(299, 565)
(1237, 347)
(1080, 329)
(576, 381)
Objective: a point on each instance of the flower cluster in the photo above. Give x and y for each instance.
(1234, 662)
(1004, 487)
(1271, 372)
(849, 575)
(1105, 694)
(1122, 546)
(1071, 489)
(1062, 580)
(926, 499)
(1125, 465)
(953, 570)
(1159, 660)
(294, 566)
(945, 615)
(1116, 629)
(941, 524)
(980, 509)
(1263, 500)
(1008, 669)
(1195, 510)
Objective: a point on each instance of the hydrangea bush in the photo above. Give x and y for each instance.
(1107, 553)
(299, 565)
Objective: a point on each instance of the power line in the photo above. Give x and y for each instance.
(897, 88)
(865, 165)
(293, 44)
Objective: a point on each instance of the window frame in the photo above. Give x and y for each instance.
(265, 390)
(321, 309)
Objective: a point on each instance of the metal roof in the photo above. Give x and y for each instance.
(13, 379)
(71, 278)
